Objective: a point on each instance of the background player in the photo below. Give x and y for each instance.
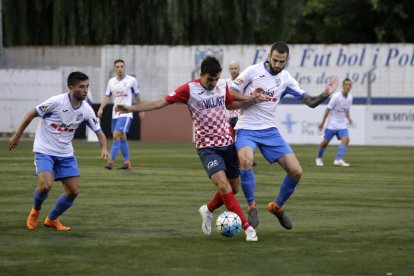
(337, 113)
(207, 99)
(54, 159)
(123, 88)
(234, 69)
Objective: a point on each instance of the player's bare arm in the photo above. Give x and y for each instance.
(317, 100)
(14, 140)
(104, 146)
(325, 115)
(143, 106)
(105, 101)
(138, 100)
(244, 101)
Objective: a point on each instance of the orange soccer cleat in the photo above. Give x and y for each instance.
(33, 219)
(55, 224)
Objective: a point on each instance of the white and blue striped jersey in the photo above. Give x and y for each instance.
(59, 120)
(263, 115)
(123, 91)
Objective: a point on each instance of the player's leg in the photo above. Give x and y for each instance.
(125, 123)
(343, 135)
(322, 146)
(116, 144)
(246, 145)
(44, 167)
(66, 170)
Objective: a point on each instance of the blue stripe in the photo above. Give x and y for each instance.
(363, 101)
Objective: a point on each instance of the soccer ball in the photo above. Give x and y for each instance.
(228, 224)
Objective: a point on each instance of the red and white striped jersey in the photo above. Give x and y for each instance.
(208, 112)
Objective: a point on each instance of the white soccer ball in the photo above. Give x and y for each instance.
(228, 224)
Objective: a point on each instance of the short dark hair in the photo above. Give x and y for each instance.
(119, 60)
(76, 77)
(347, 79)
(280, 47)
(210, 65)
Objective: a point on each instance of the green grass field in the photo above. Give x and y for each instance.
(347, 221)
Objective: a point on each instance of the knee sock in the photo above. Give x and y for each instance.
(115, 148)
(38, 199)
(341, 151)
(62, 204)
(125, 149)
(248, 183)
(215, 202)
(233, 205)
(321, 150)
(286, 189)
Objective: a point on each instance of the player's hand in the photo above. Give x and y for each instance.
(350, 121)
(257, 94)
(14, 140)
(320, 127)
(332, 85)
(105, 155)
(141, 115)
(99, 113)
(122, 108)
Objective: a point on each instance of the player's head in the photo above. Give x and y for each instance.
(210, 72)
(119, 67)
(234, 69)
(78, 84)
(346, 86)
(278, 56)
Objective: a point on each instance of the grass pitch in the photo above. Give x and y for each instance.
(346, 221)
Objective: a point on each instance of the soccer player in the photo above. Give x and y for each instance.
(234, 69)
(123, 88)
(337, 114)
(60, 116)
(207, 99)
(256, 128)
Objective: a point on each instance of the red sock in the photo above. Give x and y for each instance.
(233, 205)
(215, 202)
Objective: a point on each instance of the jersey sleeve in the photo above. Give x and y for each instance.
(91, 121)
(243, 80)
(181, 94)
(47, 107)
(229, 96)
(293, 88)
(134, 87)
(332, 101)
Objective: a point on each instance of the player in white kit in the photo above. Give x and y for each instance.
(257, 128)
(207, 99)
(123, 88)
(60, 116)
(338, 117)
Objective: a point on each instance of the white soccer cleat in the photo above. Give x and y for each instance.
(341, 163)
(206, 215)
(251, 234)
(319, 162)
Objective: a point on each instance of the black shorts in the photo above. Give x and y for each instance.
(216, 159)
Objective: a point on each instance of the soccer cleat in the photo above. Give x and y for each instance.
(252, 215)
(32, 219)
(108, 166)
(319, 162)
(251, 234)
(280, 215)
(341, 163)
(55, 224)
(125, 166)
(206, 215)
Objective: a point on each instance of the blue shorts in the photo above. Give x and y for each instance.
(216, 159)
(339, 133)
(269, 141)
(121, 124)
(60, 167)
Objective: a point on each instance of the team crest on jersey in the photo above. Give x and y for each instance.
(125, 84)
(79, 117)
(43, 108)
(277, 81)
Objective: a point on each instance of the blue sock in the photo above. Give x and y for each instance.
(62, 204)
(125, 149)
(286, 189)
(321, 150)
(341, 151)
(248, 183)
(115, 148)
(38, 199)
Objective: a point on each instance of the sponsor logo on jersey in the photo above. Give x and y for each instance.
(211, 103)
(238, 81)
(212, 164)
(43, 108)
